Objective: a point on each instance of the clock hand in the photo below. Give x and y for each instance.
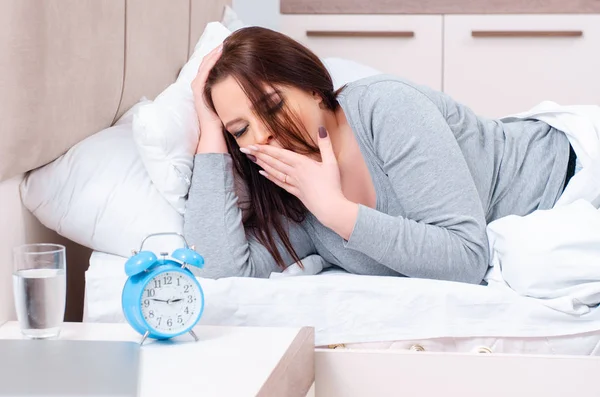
(176, 300)
(159, 300)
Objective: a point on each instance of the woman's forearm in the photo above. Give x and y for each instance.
(213, 223)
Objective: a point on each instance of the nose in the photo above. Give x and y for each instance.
(263, 137)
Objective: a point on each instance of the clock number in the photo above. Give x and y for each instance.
(151, 293)
(158, 320)
(178, 281)
(187, 310)
(186, 288)
(157, 283)
(146, 302)
(179, 319)
(169, 322)
(168, 280)
(151, 314)
(190, 299)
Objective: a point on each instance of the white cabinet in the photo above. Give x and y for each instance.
(409, 46)
(502, 64)
(495, 64)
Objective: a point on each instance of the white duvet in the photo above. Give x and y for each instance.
(347, 308)
(554, 255)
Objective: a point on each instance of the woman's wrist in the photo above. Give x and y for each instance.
(211, 141)
(342, 217)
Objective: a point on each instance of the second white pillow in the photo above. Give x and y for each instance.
(166, 130)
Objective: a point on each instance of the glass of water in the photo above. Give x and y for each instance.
(40, 289)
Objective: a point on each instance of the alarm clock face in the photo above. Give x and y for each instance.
(171, 302)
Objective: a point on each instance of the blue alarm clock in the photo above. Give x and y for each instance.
(162, 298)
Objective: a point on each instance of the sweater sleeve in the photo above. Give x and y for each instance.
(442, 232)
(213, 223)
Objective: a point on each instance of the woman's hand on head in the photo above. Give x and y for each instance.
(316, 184)
(211, 127)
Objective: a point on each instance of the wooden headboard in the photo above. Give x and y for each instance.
(70, 68)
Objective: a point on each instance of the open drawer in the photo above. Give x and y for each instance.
(358, 373)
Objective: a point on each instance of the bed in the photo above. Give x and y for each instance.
(79, 66)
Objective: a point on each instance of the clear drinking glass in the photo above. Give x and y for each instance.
(40, 289)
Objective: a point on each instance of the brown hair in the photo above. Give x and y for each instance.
(257, 57)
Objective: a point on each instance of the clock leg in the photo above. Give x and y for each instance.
(144, 337)
(194, 335)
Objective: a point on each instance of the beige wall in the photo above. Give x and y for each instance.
(155, 36)
(12, 233)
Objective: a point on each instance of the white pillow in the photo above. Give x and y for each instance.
(231, 20)
(99, 195)
(166, 130)
(344, 71)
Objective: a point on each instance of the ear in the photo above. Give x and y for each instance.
(318, 99)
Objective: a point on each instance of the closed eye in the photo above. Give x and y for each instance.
(275, 108)
(239, 133)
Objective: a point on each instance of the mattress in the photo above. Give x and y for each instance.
(353, 311)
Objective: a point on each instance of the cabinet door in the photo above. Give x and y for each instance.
(406, 46)
(502, 64)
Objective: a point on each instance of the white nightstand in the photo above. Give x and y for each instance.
(226, 361)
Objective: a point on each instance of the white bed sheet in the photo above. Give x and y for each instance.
(352, 309)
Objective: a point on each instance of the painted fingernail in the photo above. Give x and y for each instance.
(322, 132)
(251, 157)
(263, 173)
(253, 147)
(245, 151)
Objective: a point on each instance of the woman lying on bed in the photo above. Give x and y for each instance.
(383, 177)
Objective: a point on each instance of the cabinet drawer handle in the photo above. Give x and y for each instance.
(356, 33)
(526, 33)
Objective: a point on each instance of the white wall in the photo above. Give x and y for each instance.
(258, 12)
